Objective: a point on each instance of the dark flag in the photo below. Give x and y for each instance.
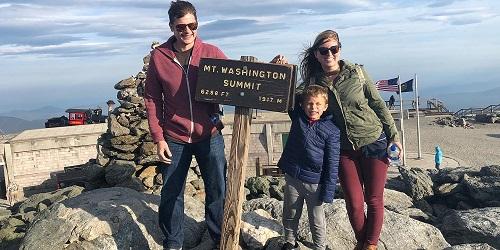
(406, 86)
(390, 85)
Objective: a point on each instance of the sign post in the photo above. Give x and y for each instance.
(245, 84)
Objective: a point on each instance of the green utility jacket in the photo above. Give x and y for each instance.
(358, 110)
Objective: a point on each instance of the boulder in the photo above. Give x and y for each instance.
(398, 232)
(493, 170)
(108, 218)
(119, 171)
(485, 190)
(258, 186)
(257, 227)
(473, 246)
(126, 83)
(115, 128)
(454, 175)
(419, 183)
(32, 203)
(479, 225)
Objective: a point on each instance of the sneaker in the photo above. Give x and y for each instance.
(290, 246)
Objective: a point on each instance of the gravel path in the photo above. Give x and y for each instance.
(476, 147)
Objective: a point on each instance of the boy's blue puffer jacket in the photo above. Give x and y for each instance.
(311, 153)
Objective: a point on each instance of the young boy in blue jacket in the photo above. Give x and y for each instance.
(310, 162)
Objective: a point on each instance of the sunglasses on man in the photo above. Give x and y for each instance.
(324, 50)
(182, 27)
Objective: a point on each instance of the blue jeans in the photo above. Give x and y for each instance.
(210, 157)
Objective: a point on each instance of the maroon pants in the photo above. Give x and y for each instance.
(363, 180)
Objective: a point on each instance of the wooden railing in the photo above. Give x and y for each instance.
(474, 111)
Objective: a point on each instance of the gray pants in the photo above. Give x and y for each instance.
(296, 192)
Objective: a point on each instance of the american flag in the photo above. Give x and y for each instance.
(390, 85)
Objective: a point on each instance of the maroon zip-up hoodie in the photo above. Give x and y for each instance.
(169, 95)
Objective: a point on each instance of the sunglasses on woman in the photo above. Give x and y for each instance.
(324, 50)
(182, 27)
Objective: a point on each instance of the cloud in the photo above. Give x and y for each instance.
(236, 27)
(462, 16)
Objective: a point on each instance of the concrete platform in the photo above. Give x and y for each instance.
(425, 162)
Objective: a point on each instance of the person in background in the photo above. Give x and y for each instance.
(182, 127)
(438, 157)
(310, 162)
(366, 127)
(391, 102)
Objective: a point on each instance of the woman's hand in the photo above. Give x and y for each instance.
(279, 59)
(400, 147)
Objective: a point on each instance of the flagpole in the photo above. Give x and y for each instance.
(401, 117)
(417, 99)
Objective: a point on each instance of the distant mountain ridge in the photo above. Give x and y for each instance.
(11, 125)
(42, 113)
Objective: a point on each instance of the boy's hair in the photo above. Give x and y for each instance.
(315, 90)
(179, 9)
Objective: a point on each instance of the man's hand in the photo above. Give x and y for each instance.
(279, 59)
(163, 152)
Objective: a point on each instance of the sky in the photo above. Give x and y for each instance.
(70, 53)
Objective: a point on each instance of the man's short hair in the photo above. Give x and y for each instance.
(315, 90)
(179, 9)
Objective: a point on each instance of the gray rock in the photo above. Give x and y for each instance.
(115, 128)
(271, 205)
(257, 227)
(126, 83)
(123, 120)
(101, 159)
(108, 218)
(93, 172)
(449, 188)
(258, 186)
(198, 184)
(398, 232)
(135, 99)
(148, 148)
(485, 190)
(480, 225)
(124, 156)
(474, 246)
(119, 171)
(147, 160)
(454, 175)
(419, 182)
(132, 183)
(4, 213)
(126, 105)
(32, 203)
(191, 176)
(124, 147)
(396, 201)
(493, 170)
(124, 139)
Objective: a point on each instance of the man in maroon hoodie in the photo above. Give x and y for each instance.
(182, 127)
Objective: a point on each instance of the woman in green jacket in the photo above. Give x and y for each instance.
(366, 126)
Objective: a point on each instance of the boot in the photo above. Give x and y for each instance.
(359, 246)
(370, 247)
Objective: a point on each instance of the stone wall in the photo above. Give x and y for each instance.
(34, 157)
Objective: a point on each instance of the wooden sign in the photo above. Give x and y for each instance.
(256, 85)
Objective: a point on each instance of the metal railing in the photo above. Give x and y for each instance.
(474, 111)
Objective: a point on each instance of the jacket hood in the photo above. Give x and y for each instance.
(166, 47)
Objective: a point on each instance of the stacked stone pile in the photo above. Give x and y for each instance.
(488, 118)
(127, 155)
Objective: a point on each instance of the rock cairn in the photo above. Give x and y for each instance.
(127, 154)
